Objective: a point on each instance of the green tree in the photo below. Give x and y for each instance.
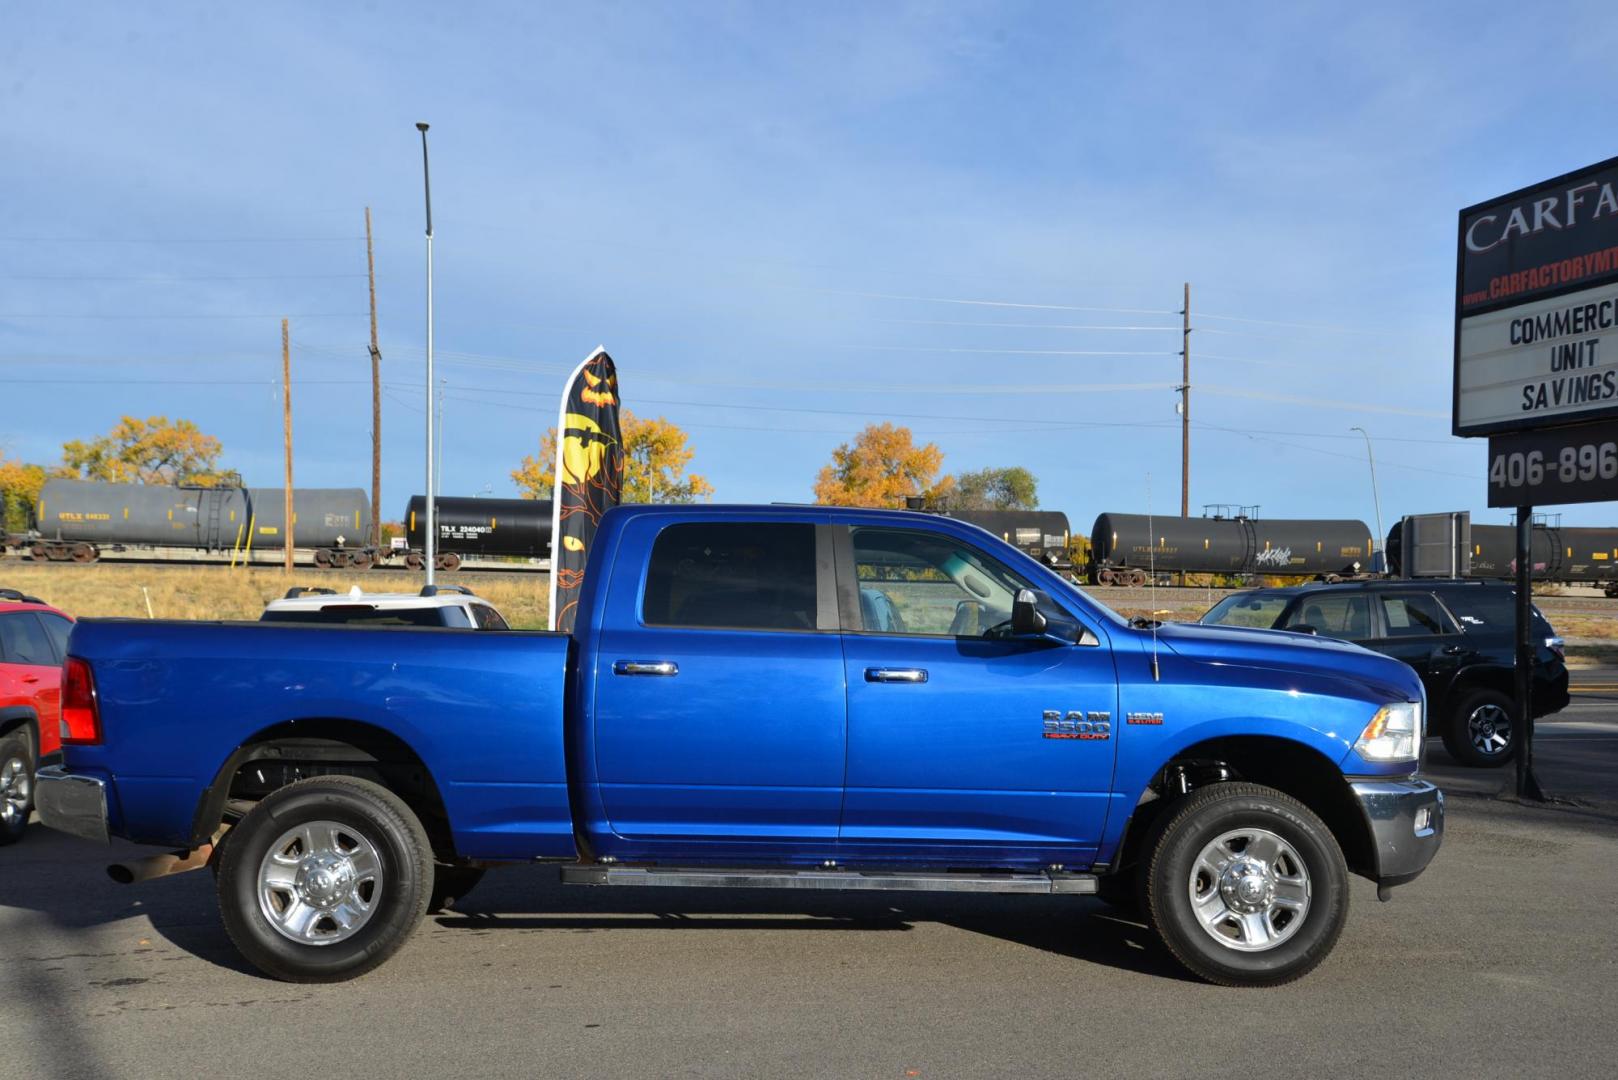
(151, 451)
(1013, 488)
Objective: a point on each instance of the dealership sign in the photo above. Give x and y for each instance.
(1536, 306)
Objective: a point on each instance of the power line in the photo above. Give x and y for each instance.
(996, 303)
(266, 381)
(1332, 453)
(1022, 325)
(1317, 403)
(164, 279)
(305, 315)
(1298, 326)
(1006, 352)
(179, 240)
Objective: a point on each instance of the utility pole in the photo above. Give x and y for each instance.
(1185, 405)
(376, 396)
(286, 424)
(430, 526)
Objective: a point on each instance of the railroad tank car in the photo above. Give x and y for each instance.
(1567, 554)
(1043, 534)
(1124, 547)
(74, 519)
(486, 528)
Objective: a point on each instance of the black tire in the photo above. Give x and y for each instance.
(451, 884)
(17, 765)
(1484, 709)
(1202, 819)
(397, 904)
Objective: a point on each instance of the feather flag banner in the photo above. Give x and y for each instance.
(589, 478)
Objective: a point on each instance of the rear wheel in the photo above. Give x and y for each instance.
(1246, 886)
(362, 560)
(16, 786)
(84, 553)
(1479, 730)
(448, 561)
(324, 879)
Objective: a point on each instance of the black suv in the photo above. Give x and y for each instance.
(1457, 635)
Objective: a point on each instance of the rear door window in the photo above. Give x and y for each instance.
(24, 641)
(1414, 615)
(734, 575)
(488, 618)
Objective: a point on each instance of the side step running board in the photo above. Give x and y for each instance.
(688, 877)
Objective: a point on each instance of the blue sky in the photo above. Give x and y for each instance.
(773, 216)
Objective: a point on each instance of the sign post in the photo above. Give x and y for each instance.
(1536, 368)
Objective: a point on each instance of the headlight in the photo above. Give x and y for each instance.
(1394, 733)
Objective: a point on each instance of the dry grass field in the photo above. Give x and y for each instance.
(215, 592)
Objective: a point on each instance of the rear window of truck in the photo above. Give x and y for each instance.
(735, 575)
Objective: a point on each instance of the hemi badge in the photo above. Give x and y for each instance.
(1150, 719)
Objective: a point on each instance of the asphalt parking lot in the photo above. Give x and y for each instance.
(1501, 961)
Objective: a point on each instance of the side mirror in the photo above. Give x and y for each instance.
(1026, 619)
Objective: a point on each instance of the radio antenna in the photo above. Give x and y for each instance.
(1151, 571)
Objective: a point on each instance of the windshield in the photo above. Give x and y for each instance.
(1259, 610)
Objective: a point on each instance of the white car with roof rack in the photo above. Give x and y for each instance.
(454, 606)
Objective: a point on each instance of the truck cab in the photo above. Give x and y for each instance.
(785, 697)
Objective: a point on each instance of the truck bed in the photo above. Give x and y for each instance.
(486, 709)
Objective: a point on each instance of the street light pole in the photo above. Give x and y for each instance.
(429, 531)
(1376, 500)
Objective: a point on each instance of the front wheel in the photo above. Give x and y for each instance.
(324, 879)
(1246, 886)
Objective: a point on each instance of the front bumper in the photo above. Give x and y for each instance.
(1406, 818)
(71, 803)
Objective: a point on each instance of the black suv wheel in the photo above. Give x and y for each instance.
(1478, 731)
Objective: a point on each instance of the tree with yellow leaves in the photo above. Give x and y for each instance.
(655, 457)
(882, 468)
(20, 484)
(151, 451)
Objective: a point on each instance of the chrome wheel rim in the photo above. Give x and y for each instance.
(1249, 890)
(320, 883)
(14, 790)
(1489, 730)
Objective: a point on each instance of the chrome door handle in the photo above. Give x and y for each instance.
(646, 667)
(898, 675)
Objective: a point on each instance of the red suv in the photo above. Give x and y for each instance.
(33, 644)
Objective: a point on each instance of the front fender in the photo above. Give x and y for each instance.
(1194, 702)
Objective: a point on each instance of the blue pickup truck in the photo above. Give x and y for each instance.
(775, 697)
